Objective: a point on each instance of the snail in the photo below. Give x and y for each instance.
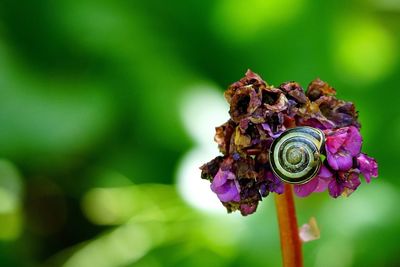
(295, 154)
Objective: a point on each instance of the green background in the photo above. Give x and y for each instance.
(104, 104)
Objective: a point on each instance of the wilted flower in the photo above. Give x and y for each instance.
(260, 113)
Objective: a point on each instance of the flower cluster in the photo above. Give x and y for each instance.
(259, 113)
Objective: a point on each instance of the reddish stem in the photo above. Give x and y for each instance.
(289, 234)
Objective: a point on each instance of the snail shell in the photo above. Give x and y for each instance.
(295, 154)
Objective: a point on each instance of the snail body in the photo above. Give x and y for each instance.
(295, 154)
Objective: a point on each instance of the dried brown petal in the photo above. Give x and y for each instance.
(210, 169)
(340, 112)
(231, 206)
(223, 135)
(241, 140)
(318, 88)
(294, 90)
(309, 231)
(280, 104)
(311, 115)
(269, 95)
(250, 78)
(289, 122)
(245, 168)
(244, 102)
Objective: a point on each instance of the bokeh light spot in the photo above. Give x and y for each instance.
(126, 244)
(364, 50)
(195, 191)
(110, 206)
(366, 209)
(327, 254)
(203, 107)
(10, 201)
(243, 20)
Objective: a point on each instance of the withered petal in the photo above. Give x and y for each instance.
(318, 88)
(210, 169)
(223, 135)
(244, 102)
(294, 90)
(340, 112)
(251, 78)
(281, 104)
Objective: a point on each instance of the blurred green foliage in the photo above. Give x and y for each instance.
(91, 128)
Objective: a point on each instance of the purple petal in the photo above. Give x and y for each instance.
(324, 172)
(277, 187)
(353, 141)
(367, 166)
(230, 195)
(317, 184)
(335, 189)
(303, 190)
(274, 183)
(224, 185)
(264, 190)
(351, 184)
(222, 189)
(221, 177)
(322, 184)
(312, 123)
(267, 128)
(353, 181)
(335, 140)
(341, 161)
(324, 177)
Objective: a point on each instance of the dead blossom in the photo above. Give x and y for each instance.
(259, 113)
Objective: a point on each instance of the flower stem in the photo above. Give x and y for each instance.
(288, 230)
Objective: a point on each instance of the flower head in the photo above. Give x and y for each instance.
(260, 113)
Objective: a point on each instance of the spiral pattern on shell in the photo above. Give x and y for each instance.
(295, 154)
